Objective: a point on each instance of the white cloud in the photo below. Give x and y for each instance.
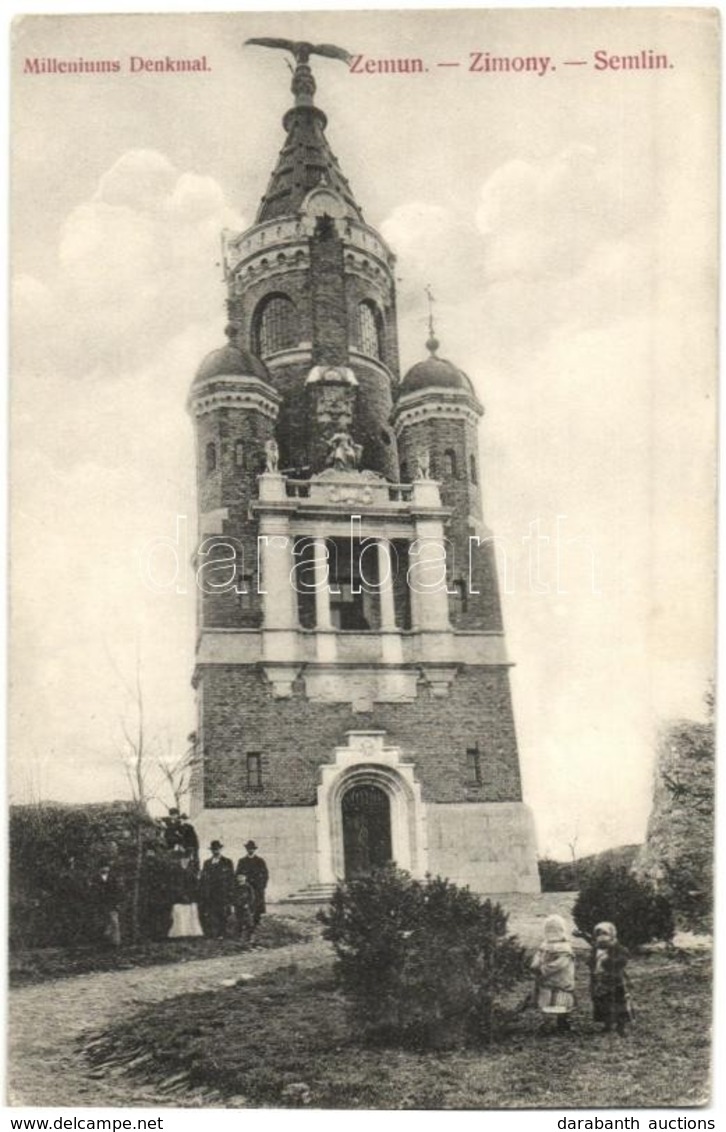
(135, 264)
(105, 348)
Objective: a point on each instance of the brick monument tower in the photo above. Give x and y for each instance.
(351, 672)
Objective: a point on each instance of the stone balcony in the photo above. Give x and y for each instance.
(348, 489)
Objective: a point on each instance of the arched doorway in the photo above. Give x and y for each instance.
(366, 829)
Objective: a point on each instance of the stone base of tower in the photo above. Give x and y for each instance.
(489, 846)
(286, 837)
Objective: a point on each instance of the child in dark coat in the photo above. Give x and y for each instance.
(610, 1002)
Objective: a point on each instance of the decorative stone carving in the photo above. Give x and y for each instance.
(350, 487)
(349, 494)
(334, 409)
(282, 677)
(423, 464)
(439, 678)
(272, 456)
(389, 686)
(332, 391)
(343, 453)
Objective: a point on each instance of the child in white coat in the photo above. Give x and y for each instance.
(554, 973)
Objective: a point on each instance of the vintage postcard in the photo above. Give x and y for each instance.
(363, 411)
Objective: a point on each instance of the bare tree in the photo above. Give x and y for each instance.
(572, 846)
(176, 770)
(138, 755)
(136, 751)
(139, 752)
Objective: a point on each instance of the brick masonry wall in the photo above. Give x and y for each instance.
(293, 282)
(293, 431)
(473, 565)
(231, 485)
(371, 425)
(380, 291)
(295, 736)
(326, 298)
(327, 282)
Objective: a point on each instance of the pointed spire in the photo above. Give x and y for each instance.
(305, 160)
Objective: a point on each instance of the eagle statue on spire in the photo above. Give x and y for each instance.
(302, 51)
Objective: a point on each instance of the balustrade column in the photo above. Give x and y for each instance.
(279, 600)
(326, 649)
(391, 645)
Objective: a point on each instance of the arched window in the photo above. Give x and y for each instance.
(275, 326)
(211, 457)
(239, 453)
(472, 469)
(368, 330)
(450, 464)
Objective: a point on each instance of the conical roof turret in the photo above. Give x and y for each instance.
(306, 160)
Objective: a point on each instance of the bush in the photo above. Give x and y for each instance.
(613, 893)
(421, 963)
(54, 851)
(557, 876)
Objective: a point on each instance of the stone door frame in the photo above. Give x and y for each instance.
(363, 760)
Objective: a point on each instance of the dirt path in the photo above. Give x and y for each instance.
(44, 1065)
(46, 1069)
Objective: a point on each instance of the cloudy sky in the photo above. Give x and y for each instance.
(566, 224)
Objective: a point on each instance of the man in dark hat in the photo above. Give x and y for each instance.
(172, 829)
(188, 838)
(179, 832)
(216, 892)
(255, 872)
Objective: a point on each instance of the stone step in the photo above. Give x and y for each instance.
(311, 894)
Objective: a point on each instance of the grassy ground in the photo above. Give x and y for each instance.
(284, 1041)
(38, 965)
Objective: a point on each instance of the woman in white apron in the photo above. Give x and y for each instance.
(185, 891)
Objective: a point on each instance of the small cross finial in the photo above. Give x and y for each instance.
(433, 343)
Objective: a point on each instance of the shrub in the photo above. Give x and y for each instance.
(613, 893)
(54, 850)
(557, 876)
(421, 963)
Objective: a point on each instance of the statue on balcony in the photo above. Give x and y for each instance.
(423, 464)
(272, 456)
(343, 453)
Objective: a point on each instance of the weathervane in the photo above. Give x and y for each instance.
(303, 83)
(433, 342)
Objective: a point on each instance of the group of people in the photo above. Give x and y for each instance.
(231, 901)
(217, 901)
(175, 898)
(554, 977)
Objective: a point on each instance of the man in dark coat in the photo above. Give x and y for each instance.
(156, 899)
(179, 833)
(255, 872)
(105, 899)
(216, 892)
(188, 839)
